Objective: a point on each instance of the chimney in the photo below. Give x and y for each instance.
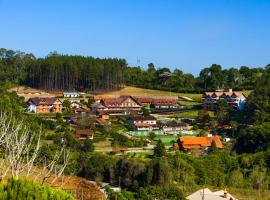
(225, 194)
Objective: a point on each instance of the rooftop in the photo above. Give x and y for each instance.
(44, 100)
(197, 142)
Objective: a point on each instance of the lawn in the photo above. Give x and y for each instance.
(191, 114)
(167, 139)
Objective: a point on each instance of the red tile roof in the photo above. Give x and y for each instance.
(197, 142)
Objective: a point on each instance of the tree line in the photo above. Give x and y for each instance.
(210, 78)
(62, 72)
(68, 73)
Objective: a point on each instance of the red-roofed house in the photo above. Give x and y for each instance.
(187, 143)
(122, 105)
(160, 103)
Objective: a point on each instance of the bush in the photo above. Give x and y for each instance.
(26, 189)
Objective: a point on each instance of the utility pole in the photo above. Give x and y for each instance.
(203, 194)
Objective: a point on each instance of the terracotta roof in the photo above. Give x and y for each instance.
(99, 97)
(44, 101)
(197, 142)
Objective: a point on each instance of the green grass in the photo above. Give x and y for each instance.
(189, 103)
(167, 139)
(191, 114)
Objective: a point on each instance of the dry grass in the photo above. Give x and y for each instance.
(80, 188)
(28, 92)
(128, 90)
(250, 194)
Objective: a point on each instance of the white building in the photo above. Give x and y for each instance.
(71, 94)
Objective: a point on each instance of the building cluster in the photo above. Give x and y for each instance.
(236, 100)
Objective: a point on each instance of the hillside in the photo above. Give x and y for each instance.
(136, 91)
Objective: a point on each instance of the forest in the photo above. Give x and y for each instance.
(62, 72)
(78, 73)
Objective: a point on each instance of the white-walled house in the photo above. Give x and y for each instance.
(71, 94)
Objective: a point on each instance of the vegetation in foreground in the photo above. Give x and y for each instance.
(242, 165)
(26, 189)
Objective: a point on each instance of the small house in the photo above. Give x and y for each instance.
(44, 105)
(71, 94)
(189, 143)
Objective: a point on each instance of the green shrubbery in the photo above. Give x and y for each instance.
(21, 189)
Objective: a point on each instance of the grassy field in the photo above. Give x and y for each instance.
(128, 90)
(191, 113)
(167, 139)
(250, 194)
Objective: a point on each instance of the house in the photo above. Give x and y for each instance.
(207, 194)
(71, 94)
(122, 105)
(236, 100)
(160, 103)
(83, 134)
(166, 104)
(171, 128)
(143, 122)
(44, 105)
(189, 143)
(146, 119)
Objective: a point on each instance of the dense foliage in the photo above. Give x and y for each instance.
(62, 72)
(25, 189)
(254, 134)
(66, 72)
(209, 78)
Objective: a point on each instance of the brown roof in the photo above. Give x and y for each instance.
(165, 101)
(157, 100)
(224, 94)
(145, 100)
(197, 142)
(118, 101)
(44, 101)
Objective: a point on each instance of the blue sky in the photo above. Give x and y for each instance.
(184, 34)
